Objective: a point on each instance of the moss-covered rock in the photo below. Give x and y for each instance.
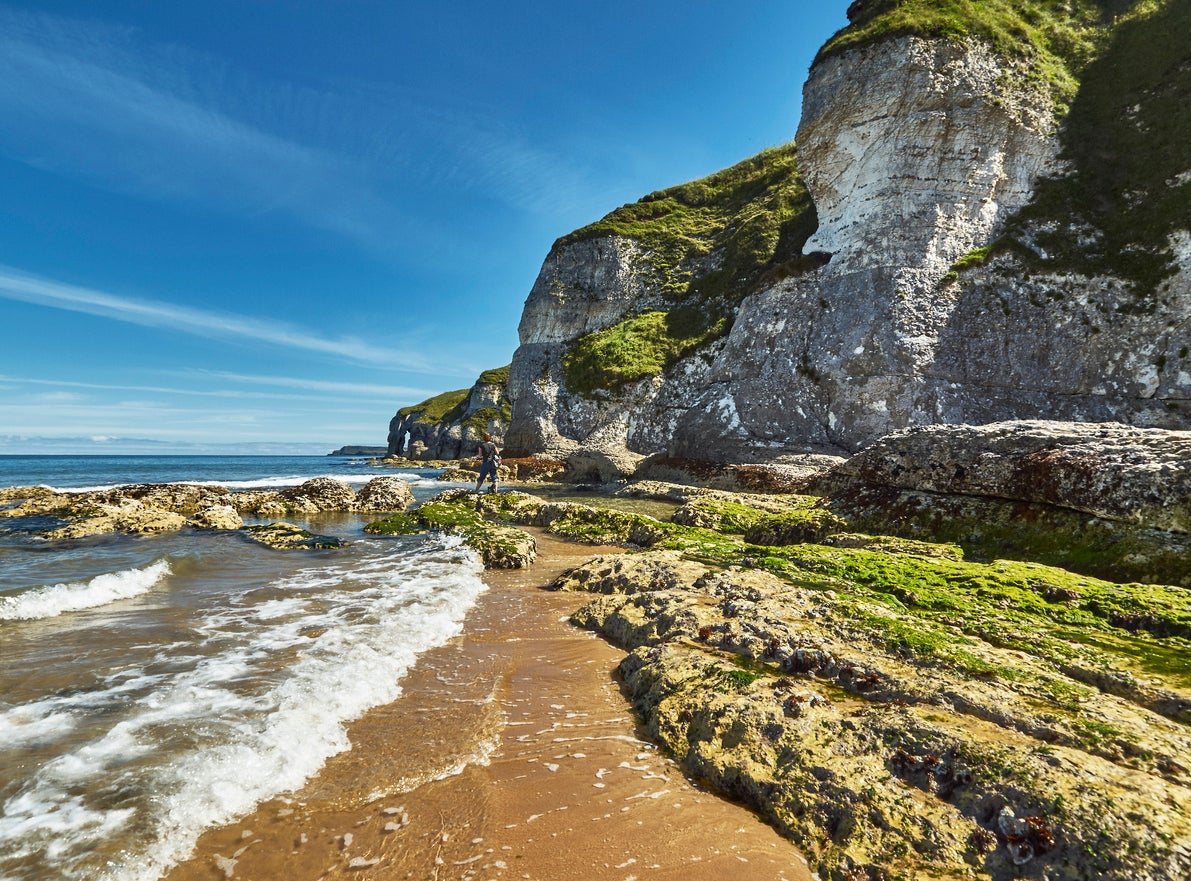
(917, 755)
(500, 547)
(289, 537)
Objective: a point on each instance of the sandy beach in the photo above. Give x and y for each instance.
(511, 754)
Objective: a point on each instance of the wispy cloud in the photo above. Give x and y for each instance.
(333, 390)
(89, 100)
(17, 285)
(102, 103)
(395, 392)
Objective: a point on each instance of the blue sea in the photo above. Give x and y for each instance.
(154, 687)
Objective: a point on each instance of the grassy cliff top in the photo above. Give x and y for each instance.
(708, 243)
(435, 409)
(450, 407)
(755, 213)
(1056, 38)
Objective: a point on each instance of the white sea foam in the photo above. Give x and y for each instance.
(252, 708)
(53, 600)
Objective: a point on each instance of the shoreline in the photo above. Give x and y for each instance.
(555, 781)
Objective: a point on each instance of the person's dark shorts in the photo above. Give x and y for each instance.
(487, 469)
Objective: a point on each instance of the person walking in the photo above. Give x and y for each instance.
(489, 460)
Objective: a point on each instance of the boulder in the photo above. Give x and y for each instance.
(384, 494)
(320, 494)
(1139, 476)
(602, 465)
(217, 517)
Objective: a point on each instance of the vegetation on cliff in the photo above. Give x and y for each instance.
(1121, 71)
(707, 243)
(1054, 38)
(448, 407)
(440, 408)
(1127, 187)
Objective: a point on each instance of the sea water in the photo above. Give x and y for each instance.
(153, 687)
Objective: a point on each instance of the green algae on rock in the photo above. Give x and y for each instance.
(288, 537)
(878, 756)
(498, 546)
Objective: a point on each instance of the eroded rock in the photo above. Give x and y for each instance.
(288, 536)
(320, 494)
(384, 494)
(217, 517)
(882, 760)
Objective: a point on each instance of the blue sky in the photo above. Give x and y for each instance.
(270, 224)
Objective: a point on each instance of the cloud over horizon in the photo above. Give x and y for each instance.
(24, 287)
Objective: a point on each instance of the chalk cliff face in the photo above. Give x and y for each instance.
(931, 291)
(914, 151)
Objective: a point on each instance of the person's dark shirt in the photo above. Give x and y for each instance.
(488, 450)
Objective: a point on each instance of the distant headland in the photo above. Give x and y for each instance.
(359, 451)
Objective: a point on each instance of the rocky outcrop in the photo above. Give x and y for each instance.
(1117, 472)
(217, 517)
(1109, 500)
(142, 509)
(320, 494)
(452, 425)
(131, 517)
(915, 151)
(880, 756)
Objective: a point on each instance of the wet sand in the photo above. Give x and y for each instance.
(511, 754)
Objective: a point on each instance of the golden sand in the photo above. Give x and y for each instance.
(511, 754)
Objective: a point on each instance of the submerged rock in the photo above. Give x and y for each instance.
(287, 536)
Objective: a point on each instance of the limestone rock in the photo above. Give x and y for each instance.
(602, 465)
(916, 153)
(217, 517)
(182, 498)
(384, 494)
(130, 516)
(1140, 476)
(266, 504)
(320, 494)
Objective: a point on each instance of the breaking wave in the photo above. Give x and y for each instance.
(53, 600)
